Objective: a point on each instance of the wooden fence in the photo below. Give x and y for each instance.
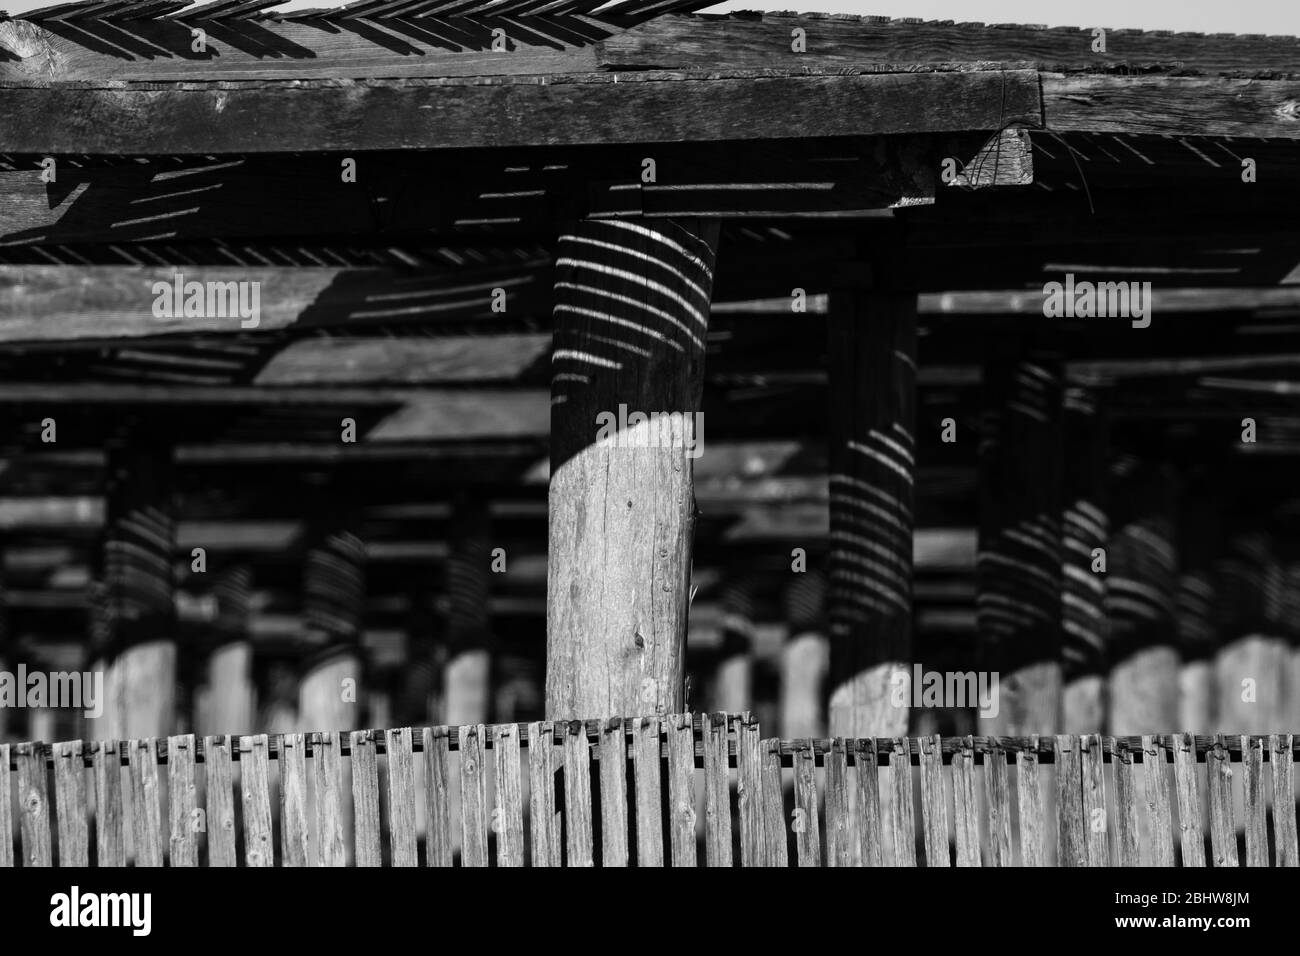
(678, 790)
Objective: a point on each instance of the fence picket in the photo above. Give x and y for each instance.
(577, 795)
(6, 820)
(70, 804)
(295, 849)
(541, 795)
(839, 829)
(613, 793)
(220, 800)
(402, 843)
(255, 782)
(1095, 819)
(867, 768)
(328, 776)
(717, 790)
(1189, 801)
(774, 832)
(1223, 832)
(902, 817)
(1252, 757)
(437, 796)
(33, 804)
(182, 801)
(1159, 818)
(508, 813)
(934, 803)
(806, 826)
(1126, 807)
(473, 797)
(1072, 845)
(1284, 821)
(1030, 800)
(964, 804)
(997, 788)
(749, 791)
(681, 789)
(646, 764)
(146, 806)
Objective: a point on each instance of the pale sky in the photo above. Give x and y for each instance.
(1204, 16)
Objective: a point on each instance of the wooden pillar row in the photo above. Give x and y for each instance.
(1086, 526)
(872, 363)
(330, 685)
(1019, 560)
(230, 698)
(631, 319)
(1140, 600)
(467, 687)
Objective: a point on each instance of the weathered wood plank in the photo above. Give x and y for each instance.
(646, 770)
(146, 803)
(402, 836)
(965, 805)
(1033, 832)
(1126, 808)
(651, 106)
(182, 801)
(1096, 819)
(1189, 801)
(997, 790)
(841, 835)
(295, 839)
(613, 793)
(219, 796)
(473, 797)
(328, 777)
(1284, 818)
(33, 804)
(1171, 106)
(774, 825)
(901, 816)
(6, 818)
(934, 803)
(1071, 827)
(70, 804)
(717, 790)
(367, 824)
(1256, 801)
(806, 823)
(1223, 831)
(867, 771)
(749, 791)
(543, 831)
(1159, 816)
(508, 812)
(255, 784)
(577, 796)
(681, 789)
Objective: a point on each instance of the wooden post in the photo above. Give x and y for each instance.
(230, 693)
(6, 659)
(139, 537)
(733, 682)
(1251, 664)
(333, 592)
(872, 363)
(1291, 628)
(421, 694)
(1087, 528)
(1140, 596)
(805, 659)
(466, 686)
(1019, 563)
(1198, 634)
(631, 315)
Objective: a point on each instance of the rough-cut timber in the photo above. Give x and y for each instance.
(631, 314)
(872, 354)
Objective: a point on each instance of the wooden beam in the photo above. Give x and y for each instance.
(577, 109)
(631, 316)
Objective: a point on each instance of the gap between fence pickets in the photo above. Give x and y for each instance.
(1204, 744)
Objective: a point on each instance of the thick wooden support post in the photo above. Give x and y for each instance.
(1140, 598)
(467, 677)
(631, 316)
(805, 659)
(1086, 526)
(1251, 664)
(139, 536)
(1199, 545)
(230, 697)
(872, 360)
(733, 682)
(1019, 563)
(333, 591)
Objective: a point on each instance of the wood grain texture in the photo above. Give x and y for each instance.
(774, 818)
(613, 793)
(1033, 831)
(296, 838)
(965, 805)
(866, 768)
(437, 790)
(255, 785)
(901, 815)
(70, 804)
(841, 832)
(328, 778)
(1284, 818)
(997, 792)
(1189, 801)
(146, 803)
(805, 820)
(681, 789)
(7, 785)
(934, 803)
(1125, 818)
(749, 791)
(1071, 825)
(1096, 816)
(1223, 831)
(508, 811)
(473, 797)
(33, 804)
(717, 789)
(650, 106)
(647, 774)
(402, 836)
(182, 801)
(1156, 790)
(219, 795)
(1256, 801)
(367, 823)
(544, 833)
(577, 796)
